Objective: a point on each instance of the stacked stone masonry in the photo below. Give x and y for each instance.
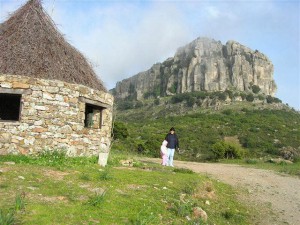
(52, 117)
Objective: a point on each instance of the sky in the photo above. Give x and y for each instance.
(123, 37)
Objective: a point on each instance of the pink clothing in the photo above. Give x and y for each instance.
(164, 153)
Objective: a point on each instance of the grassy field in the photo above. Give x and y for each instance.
(53, 189)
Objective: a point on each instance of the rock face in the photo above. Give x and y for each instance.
(202, 65)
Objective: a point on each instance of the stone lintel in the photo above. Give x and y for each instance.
(14, 91)
(93, 102)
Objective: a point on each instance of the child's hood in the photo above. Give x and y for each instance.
(164, 143)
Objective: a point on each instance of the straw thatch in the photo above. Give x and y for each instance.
(31, 45)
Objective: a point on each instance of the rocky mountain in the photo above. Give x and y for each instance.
(202, 65)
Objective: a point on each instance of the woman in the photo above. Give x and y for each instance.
(173, 143)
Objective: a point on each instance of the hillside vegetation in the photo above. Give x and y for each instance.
(254, 129)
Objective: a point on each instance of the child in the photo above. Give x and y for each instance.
(164, 153)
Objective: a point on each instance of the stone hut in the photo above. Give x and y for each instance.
(50, 97)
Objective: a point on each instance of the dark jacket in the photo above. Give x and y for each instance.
(172, 140)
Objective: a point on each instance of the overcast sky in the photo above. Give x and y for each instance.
(122, 38)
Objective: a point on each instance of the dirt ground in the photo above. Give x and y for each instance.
(275, 195)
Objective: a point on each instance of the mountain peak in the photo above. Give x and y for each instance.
(203, 65)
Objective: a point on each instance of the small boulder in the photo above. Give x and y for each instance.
(199, 213)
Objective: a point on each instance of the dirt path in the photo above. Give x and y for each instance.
(280, 193)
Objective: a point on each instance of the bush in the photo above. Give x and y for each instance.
(233, 151)
(255, 89)
(177, 98)
(271, 99)
(229, 93)
(250, 98)
(227, 150)
(120, 131)
(219, 149)
(243, 95)
(222, 96)
(261, 97)
(190, 101)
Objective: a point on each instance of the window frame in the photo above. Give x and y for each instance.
(20, 92)
(94, 105)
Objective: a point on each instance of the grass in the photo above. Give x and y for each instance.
(8, 216)
(81, 192)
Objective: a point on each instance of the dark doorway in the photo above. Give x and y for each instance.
(10, 106)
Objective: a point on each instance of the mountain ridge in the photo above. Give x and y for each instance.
(202, 65)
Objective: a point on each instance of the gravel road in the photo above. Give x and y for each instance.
(278, 195)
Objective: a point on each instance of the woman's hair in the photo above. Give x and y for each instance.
(172, 129)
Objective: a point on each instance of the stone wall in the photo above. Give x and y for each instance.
(52, 116)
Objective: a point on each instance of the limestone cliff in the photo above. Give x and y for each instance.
(202, 65)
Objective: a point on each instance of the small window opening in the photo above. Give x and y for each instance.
(10, 106)
(93, 116)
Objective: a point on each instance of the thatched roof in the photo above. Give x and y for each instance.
(31, 45)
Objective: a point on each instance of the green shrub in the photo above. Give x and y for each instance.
(233, 151)
(255, 89)
(222, 96)
(229, 93)
(219, 149)
(250, 98)
(190, 101)
(120, 131)
(261, 97)
(227, 150)
(243, 95)
(271, 99)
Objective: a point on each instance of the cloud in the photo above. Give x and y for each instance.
(127, 42)
(122, 38)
